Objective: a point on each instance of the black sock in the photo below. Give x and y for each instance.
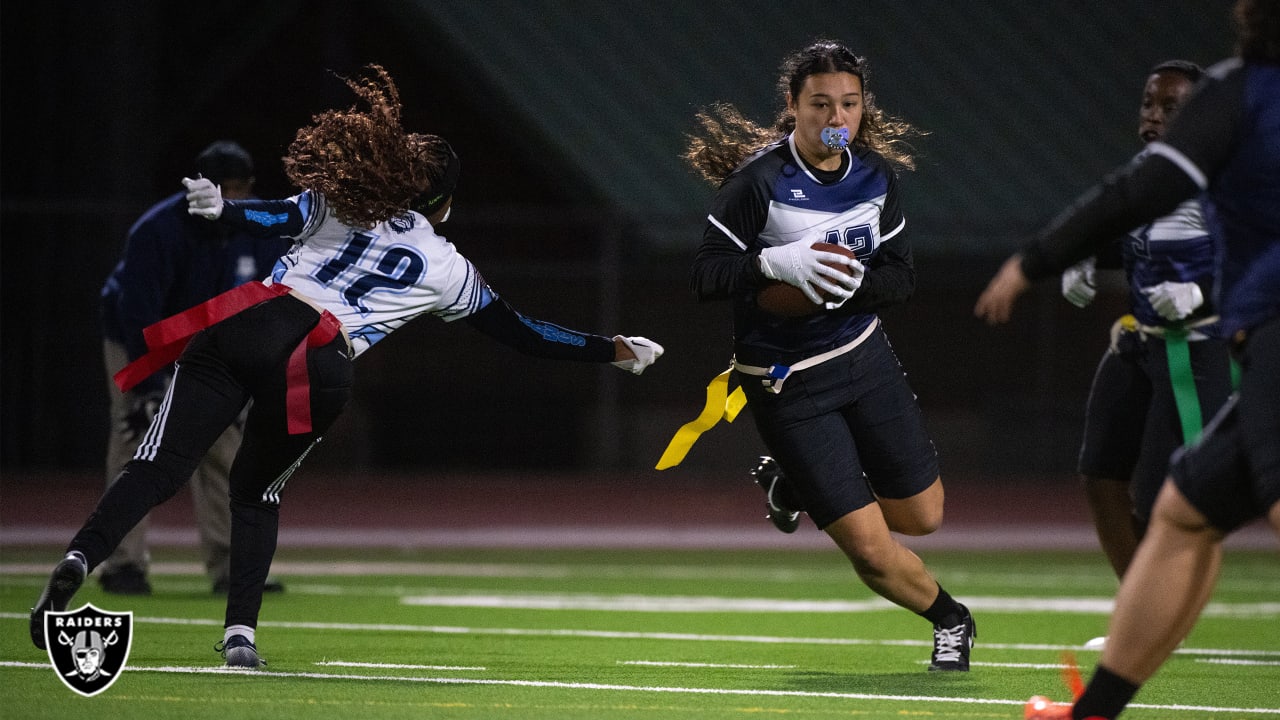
(1106, 695)
(945, 611)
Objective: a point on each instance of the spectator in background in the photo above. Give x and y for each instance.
(173, 261)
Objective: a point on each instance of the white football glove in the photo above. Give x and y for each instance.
(647, 352)
(1174, 300)
(1079, 283)
(797, 263)
(204, 199)
(858, 271)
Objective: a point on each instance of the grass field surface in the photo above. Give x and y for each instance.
(613, 634)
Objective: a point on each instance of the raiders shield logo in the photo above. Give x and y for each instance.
(88, 647)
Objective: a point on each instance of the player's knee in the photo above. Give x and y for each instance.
(917, 515)
(921, 522)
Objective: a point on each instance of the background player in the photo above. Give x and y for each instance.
(1225, 143)
(1133, 419)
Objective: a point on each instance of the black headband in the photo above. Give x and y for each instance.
(439, 194)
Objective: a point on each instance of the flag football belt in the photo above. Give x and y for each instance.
(1181, 377)
(773, 376)
(724, 405)
(167, 339)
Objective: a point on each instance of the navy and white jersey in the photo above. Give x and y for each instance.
(1225, 143)
(1174, 248)
(377, 279)
(775, 198)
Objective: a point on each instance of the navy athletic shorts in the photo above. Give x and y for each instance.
(1131, 418)
(846, 431)
(1232, 475)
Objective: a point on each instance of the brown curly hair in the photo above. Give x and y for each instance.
(363, 162)
(728, 137)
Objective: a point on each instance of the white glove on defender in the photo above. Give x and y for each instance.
(647, 353)
(1079, 283)
(796, 263)
(1174, 300)
(203, 198)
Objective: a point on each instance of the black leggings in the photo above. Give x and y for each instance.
(241, 359)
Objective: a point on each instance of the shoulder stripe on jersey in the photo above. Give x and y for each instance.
(902, 225)
(726, 231)
(1182, 161)
(314, 209)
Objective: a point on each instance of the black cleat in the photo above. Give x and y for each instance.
(951, 645)
(64, 581)
(768, 475)
(240, 653)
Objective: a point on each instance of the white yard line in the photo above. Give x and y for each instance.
(637, 635)
(1008, 536)
(756, 692)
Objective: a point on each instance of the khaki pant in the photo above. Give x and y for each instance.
(209, 483)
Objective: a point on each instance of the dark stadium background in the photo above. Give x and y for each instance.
(569, 117)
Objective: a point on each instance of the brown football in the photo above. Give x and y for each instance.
(784, 300)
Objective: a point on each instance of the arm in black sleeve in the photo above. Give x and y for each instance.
(727, 262)
(1110, 255)
(1198, 144)
(890, 278)
(1126, 199)
(721, 269)
(541, 339)
(264, 218)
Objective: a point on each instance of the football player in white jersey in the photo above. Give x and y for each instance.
(827, 393)
(366, 260)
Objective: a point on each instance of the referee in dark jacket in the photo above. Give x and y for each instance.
(173, 261)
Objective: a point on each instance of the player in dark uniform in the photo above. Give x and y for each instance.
(1225, 143)
(367, 259)
(1165, 371)
(827, 393)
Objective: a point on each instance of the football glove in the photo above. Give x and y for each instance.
(141, 412)
(798, 264)
(646, 352)
(1174, 300)
(1079, 283)
(204, 199)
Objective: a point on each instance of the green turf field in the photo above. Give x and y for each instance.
(632, 634)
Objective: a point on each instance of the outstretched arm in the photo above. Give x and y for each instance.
(259, 218)
(533, 337)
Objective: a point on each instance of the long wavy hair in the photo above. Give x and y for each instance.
(362, 160)
(727, 137)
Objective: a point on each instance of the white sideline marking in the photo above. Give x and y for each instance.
(703, 603)
(656, 663)
(757, 535)
(633, 688)
(646, 603)
(1229, 661)
(394, 666)
(636, 635)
